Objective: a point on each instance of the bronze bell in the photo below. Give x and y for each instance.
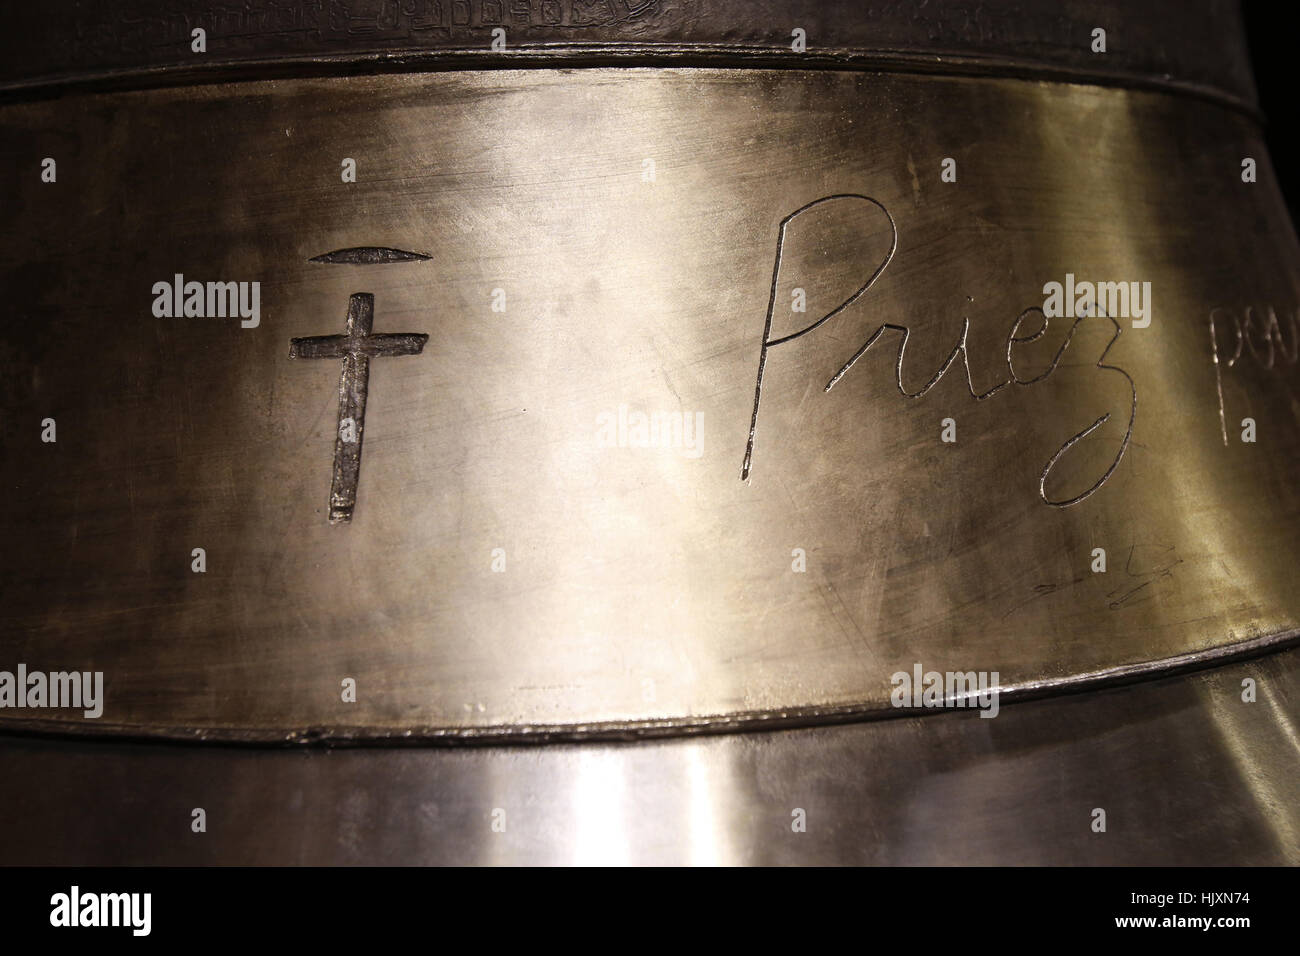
(895, 413)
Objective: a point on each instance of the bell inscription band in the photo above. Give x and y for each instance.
(778, 366)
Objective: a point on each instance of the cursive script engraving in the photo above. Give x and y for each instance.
(1246, 329)
(768, 341)
(1014, 339)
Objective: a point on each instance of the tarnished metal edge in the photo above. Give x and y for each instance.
(624, 55)
(627, 731)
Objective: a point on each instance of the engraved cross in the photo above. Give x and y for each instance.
(356, 346)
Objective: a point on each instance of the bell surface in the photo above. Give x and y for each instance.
(660, 372)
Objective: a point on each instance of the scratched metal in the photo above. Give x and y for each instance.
(644, 588)
(1187, 772)
(356, 347)
(1159, 43)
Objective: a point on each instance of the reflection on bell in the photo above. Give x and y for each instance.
(907, 450)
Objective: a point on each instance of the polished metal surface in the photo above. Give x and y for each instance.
(57, 44)
(604, 244)
(569, 373)
(1186, 771)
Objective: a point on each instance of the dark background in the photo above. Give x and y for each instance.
(1274, 55)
